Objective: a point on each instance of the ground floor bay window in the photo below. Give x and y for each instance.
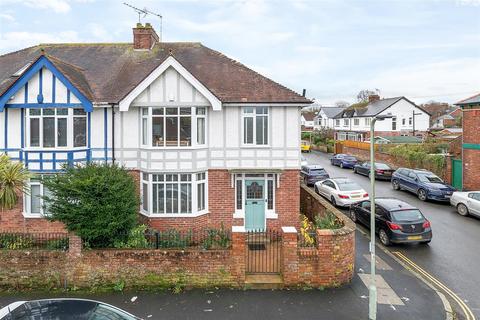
(174, 194)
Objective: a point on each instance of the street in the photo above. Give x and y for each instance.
(453, 256)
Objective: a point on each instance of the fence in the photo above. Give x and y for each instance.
(34, 241)
(356, 144)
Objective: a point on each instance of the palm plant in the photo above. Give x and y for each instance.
(13, 180)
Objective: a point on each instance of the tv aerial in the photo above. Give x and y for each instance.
(142, 13)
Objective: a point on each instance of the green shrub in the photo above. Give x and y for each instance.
(328, 221)
(15, 242)
(216, 238)
(174, 239)
(136, 239)
(306, 135)
(57, 244)
(98, 202)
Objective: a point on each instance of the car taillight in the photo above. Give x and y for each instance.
(380, 171)
(426, 224)
(365, 195)
(394, 226)
(342, 196)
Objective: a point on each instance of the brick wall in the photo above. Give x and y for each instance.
(471, 157)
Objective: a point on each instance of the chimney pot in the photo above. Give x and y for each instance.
(144, 37)
(373, 97)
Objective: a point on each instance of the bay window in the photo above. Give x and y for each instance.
(50, 128)
(174, 193)
(255, 125)
(173, 126)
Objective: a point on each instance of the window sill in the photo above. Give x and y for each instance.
(173, 215)
(33, 215)
(255, 146)
(59, 149)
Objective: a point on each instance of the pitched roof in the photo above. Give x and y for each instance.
(401, 139)
(108, 72)
(373, 108)
(308, 116)
(471, 100)
(331, 112)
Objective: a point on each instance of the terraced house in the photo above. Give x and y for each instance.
(205, 137)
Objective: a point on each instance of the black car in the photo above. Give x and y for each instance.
(382, 170)
(395, 221)
(312, 173)
(67, 308)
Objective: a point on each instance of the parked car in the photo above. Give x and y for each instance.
(67, 308)
(395, 221)
(303, 161)
(466, 203)
(341, 192)
(423, 183)
(343, 160)
(382, 170)
(305, 146)
(312, 173)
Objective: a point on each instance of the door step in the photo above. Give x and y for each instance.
(263, 281)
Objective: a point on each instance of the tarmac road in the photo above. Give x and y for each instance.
(453, 256)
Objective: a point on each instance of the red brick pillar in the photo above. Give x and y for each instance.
(239, 240)
(289, 256)
(74, 245)
(447, 174)
(471, 149)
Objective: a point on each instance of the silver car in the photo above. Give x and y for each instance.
(341, 191)
(466, 203)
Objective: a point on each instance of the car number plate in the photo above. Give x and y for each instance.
(414, 238)
(355, 196)
(447, 196)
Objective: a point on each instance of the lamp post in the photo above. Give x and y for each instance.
(372, 291)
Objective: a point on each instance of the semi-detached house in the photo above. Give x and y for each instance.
(208, 140)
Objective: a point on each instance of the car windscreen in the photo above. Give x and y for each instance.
(317, 172)
(381, 166)
(407, 215)
(348, 186)
(429, 178)
(350, 159)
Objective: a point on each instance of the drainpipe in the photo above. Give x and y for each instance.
(113, 134)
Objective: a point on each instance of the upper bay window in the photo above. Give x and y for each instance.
(173, 126)
(255, 125)
(56, 128)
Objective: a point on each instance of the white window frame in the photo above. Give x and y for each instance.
(194, 183)
(356, 122)
(269, 213)
(27, 201)
(368, 121)
(346, 122)
(337, 122)
(254, 115)
(70, 137)
(193, 127)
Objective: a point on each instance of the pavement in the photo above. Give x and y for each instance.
(453, 256)
(400, 294)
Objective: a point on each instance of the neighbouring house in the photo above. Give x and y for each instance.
(470, 164)
(353, 123)
(448, 133)
(397, 139)
(450, 119)
(307, 119)
(325, 118)
(208, 140)
(436, 109)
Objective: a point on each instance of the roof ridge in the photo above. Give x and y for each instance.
(474, 96)
(20, 50)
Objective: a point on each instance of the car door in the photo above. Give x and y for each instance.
(474, 203)
(366, 168)
(329, 188)
(364, 213)
(303, 171)
(322, 188)
(380, 217)
(408, 180)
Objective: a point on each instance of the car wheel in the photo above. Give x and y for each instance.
(462, 209)
(334, 202)
(384, 237)
(422, 195)
(341, 165)
(353, 215)
(395, 185)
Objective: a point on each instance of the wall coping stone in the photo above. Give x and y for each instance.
(238, 229)
(289, 230)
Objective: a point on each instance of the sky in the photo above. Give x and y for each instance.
(424, 50)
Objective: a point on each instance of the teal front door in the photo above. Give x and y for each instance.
(254, 205)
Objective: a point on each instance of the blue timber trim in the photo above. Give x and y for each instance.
(42, 105)
(68, 95)
(54, 84)
(40, 86)
(22, 131)
(105, 132)
(6, 132)
(89, 136)
(31, 71)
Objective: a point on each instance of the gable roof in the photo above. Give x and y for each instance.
(373, 108)
(108, 72)
(471, 100)
(331, 112)
(308, 116)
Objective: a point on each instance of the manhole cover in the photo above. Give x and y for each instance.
(258, 246)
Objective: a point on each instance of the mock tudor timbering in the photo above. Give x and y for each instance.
(185, 119)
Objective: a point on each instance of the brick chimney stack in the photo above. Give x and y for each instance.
(144, 37)
(373, 98)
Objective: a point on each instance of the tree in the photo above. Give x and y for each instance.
(13, 180)
(98, 202)
(363, 95)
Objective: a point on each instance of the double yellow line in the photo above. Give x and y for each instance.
(466, 310)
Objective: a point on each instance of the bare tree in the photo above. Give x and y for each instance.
(342, 104)
(363, 95)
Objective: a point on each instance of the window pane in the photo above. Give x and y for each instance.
(157, 132)
(144, 131)
(201, 196)
(201, 131)
(239, 194)
(145, 111)
(185, 131)
(35, 112)
(62, 112)
(34, 132)
(156, 111)
(158, 198)
(62, 132)
(248, 130)
(262, 110)
(265, 130)
(79, 112)
(185, 198)
(48, 112)
(185, 110)
(79, 131)
(171, 111)
(270, 194)
(200, 111)
(248, 110)
(145, 197)
(35, 198)
(172, 198)
(172, 131)
(259, 130)
(48, 132)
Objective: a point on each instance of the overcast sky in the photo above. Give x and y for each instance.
(424, 50)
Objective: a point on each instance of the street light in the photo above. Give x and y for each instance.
(372, 310)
